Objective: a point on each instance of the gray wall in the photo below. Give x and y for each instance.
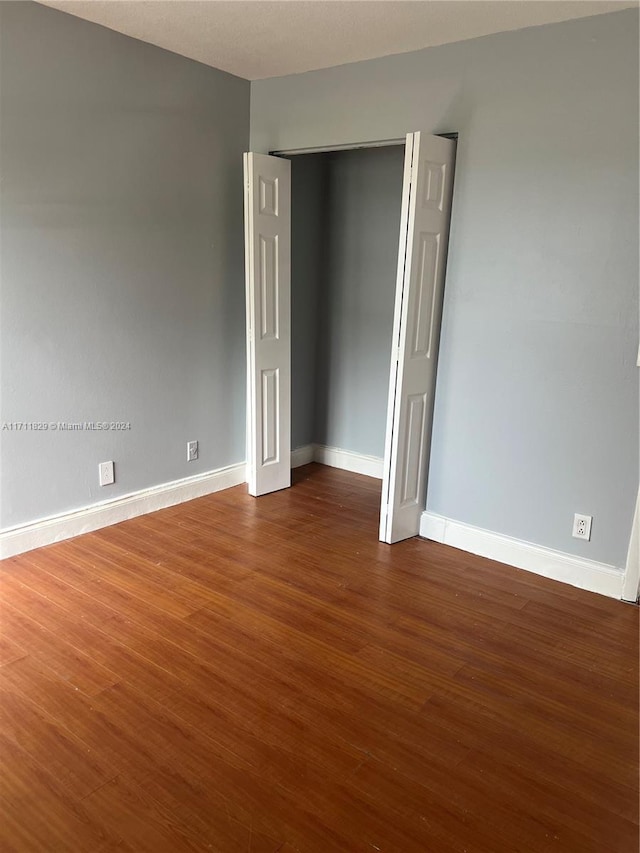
(537, 397)
(345, 227)
(308, 253)
(364, 193)
(122, 260)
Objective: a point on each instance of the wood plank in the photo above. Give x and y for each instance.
(515, 740)
(102, 646)
(10, 651)
(64, 755)
(71, 664)
(36, 813)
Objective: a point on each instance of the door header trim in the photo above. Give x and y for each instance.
(349, 146)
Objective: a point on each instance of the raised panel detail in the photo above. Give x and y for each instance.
(268, 287)
(424, 305)
(414, 438)
(270, 415)
(268, 196)
(433, 187)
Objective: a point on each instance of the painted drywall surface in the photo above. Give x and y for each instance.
(308, 253)
(537, 397)
(122, 261)
(364, 193)
(345, 227)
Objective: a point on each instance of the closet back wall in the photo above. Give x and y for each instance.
(343, 286)
(308, 226)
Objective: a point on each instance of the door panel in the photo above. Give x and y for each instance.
(268, 284)
(424, 232)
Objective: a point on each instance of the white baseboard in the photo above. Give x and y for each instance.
(586, 574)
(334, 457)
(25, 537)
(302, 455)
(631, 588)
(358, 463)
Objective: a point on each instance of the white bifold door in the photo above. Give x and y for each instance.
(424, 232)
(267, 182)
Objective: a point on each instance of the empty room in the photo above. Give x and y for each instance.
(319, 426)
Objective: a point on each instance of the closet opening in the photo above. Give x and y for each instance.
(345, 225)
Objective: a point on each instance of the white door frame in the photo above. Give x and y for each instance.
(351, 146)
(348, 146)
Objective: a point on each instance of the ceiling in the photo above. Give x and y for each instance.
(255, 39)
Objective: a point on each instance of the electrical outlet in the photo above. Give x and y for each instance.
(582, 526)
(192, 451)
(106, 473)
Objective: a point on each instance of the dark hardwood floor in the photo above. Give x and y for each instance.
(262, 675)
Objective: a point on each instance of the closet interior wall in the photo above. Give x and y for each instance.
(344, 250)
